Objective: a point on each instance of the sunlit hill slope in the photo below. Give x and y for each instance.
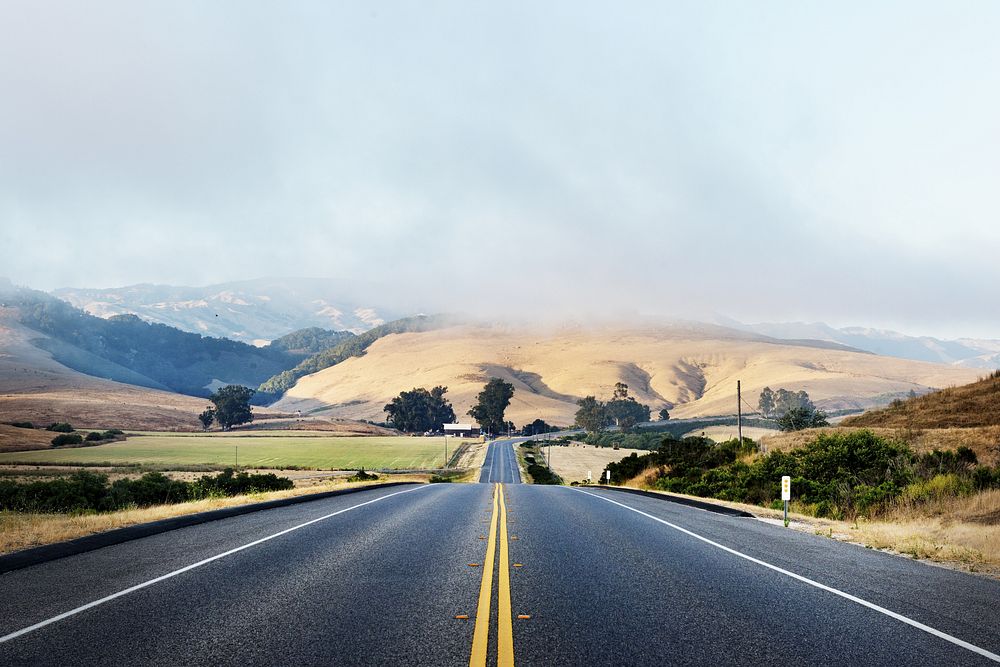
(692, 370)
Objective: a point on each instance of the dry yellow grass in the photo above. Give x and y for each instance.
(975, 404)
(22, 531)
(13, 439)
(692, 370)
(572, 463)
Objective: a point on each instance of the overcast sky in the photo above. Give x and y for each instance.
(770, 161)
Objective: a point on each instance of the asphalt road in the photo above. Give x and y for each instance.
(500, 464)
(602, 577)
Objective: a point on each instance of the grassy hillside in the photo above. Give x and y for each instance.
(355, 346)
(967, 406)
(128, 349)
(35, 387)
(689, 370)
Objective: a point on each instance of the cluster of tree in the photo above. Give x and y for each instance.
(622, 411)
(272, 388)
(309, 341)
(491, 404)
(839, 475)
(66, 438)
(60, 427)
(129, 349)
(86, 491)
(419, 410)
(230, 407)
(538, 427)
(793, 410)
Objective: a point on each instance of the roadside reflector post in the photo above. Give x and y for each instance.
(609, 475)
(590, 477)
(786, 494)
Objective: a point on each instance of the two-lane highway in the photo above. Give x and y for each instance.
(500, 464)
(498, 574)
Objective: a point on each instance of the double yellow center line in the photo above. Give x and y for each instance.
(505, 627)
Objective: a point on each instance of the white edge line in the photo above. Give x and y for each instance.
(169, 575)
(865, 603)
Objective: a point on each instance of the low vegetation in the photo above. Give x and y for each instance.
(64, 439)
(537, 469)
(85, 491)
(840, 475)
(362, 476)
(60, 427)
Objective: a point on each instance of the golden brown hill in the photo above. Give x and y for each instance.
(967, 406)
(692, 371)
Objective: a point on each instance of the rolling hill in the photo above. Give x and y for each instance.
(968, 406)
(128, 349)
(251, 311)
(35, 387)
(690, 369)
(969, 352)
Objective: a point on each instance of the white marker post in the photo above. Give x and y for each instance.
(786, 494)
(590, 477)
(609, 476)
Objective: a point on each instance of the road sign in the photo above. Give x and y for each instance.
(786, 488)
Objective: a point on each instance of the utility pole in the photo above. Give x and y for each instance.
(739, 412)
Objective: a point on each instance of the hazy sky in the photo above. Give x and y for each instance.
(786, 160)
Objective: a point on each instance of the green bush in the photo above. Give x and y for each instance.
(22, 424)
(542, 475)
(834, 475)
(85, 491)
(60, 427)
(67, 439)
(362, 476)
(94, 436)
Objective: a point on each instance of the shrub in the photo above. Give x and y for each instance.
(67, 439)
(85, 491)
(22, 424)
(363, 476)
(542, 475)
(94, 436)
(60, 427)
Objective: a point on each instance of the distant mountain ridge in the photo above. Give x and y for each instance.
(966, 352)
(250, 311)
(128, 349)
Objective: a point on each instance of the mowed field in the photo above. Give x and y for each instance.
(281, 450)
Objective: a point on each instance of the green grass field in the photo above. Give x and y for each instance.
(277, 451)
